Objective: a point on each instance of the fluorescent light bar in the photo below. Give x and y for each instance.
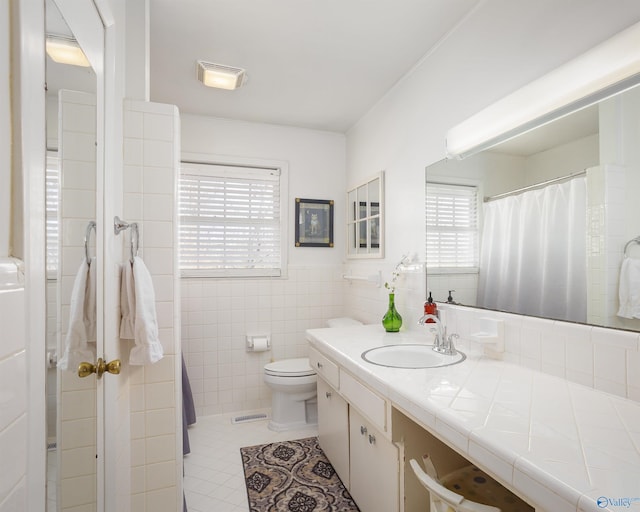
(220, 76)
(611, 67)
(66, 50)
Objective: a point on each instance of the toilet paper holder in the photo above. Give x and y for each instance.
(258, 342)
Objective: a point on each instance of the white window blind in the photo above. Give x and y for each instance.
(230, 221)
(452, 226)
(52, 204)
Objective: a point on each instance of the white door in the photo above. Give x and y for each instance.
(102, 483)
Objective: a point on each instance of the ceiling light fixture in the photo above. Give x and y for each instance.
(220, 76)
(66, 50)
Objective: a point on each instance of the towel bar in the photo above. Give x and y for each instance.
(120, 225)
(635, 240)
(374, 278)
(87, 237)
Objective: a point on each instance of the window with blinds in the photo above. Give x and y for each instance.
(52, 200)
(230, 221)
(452, 227)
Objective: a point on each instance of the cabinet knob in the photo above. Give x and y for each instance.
(328, 394)
(319, 364)
(372, 439)
(363, 430)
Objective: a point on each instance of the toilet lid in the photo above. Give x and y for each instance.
(290, 367)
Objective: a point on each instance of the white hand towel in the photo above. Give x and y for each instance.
(127, 303)
(147, 348)
(629, 288)
(90, 304)
(81, 321)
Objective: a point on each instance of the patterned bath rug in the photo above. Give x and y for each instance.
(293, 476)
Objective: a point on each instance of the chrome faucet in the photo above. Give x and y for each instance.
(443, 343)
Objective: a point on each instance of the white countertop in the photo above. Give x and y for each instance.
(560, 445)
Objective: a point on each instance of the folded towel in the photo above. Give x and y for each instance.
(82, 320)
(147, 349)
(629, 288)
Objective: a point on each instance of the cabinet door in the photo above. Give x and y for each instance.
(333, 429)
(374, 477)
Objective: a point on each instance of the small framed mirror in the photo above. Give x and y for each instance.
(365, 219)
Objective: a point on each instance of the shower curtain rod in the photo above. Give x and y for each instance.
(537, 185)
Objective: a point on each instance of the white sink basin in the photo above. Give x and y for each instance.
(410, 356)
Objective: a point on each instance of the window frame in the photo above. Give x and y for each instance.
(199, 161)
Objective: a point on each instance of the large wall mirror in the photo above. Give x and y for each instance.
(555, 209)
(71, 196)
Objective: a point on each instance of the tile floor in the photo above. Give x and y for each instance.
(214, 478)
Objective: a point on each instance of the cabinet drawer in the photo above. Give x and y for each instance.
(362, 398)
(325, 367)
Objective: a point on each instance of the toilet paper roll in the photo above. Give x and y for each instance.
(260, 344)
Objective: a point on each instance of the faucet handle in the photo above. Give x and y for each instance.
(450, 341)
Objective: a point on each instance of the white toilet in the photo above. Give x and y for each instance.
(293, 394)
(293, 383)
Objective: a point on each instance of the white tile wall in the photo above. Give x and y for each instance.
(13, 401)
(604, 359)
(368, 303)
(605, 242)
(218, 313)
(151, 152)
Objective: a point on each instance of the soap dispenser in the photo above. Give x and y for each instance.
(430, 308)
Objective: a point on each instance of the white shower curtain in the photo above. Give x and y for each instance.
(533, 253)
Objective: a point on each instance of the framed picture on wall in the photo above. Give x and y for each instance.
(314, 223)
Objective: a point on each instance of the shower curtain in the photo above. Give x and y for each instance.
(533, 257)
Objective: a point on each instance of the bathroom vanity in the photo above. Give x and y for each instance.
(353, 428)
(558, 445)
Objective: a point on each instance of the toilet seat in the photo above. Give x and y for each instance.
(290, 368)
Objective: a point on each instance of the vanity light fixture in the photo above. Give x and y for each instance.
(66, 50)
(220, 76)
(610, 67)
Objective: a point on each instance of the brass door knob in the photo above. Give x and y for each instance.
(86, 369)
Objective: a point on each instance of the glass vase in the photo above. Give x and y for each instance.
(392, 321)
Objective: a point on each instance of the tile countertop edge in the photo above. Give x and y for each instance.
(439, 420)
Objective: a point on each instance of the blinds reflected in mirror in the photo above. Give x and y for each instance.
(52, 206)
(452, 227)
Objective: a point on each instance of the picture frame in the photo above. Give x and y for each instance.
(314, 223)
